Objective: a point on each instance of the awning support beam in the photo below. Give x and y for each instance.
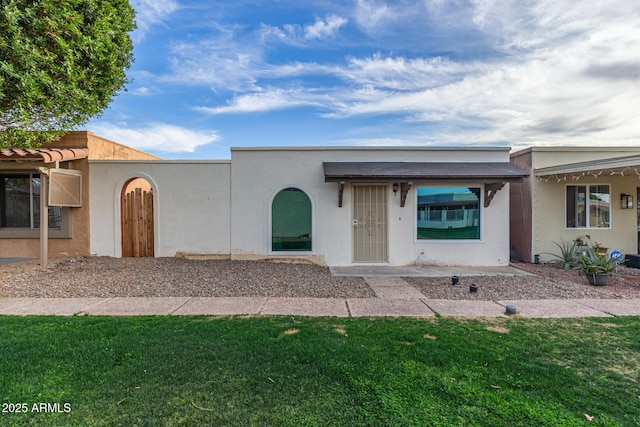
(340, 191)
(490, 191)
(404, 190)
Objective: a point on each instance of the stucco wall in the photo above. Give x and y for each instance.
(100, 148)
(76, 243)
(191, 205)
(550, 224)
(553, 156)
(104, 149)
(548, 201)
(258, 174)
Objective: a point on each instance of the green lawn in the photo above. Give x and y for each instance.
(285, 371)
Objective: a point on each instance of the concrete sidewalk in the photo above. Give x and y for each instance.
(332, 307)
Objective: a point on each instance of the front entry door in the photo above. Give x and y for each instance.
(370, 223)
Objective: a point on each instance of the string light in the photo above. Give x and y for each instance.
(576, 176)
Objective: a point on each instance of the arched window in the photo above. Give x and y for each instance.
(291, 221)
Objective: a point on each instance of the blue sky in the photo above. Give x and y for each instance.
(215, 74)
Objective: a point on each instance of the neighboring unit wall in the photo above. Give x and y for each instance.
(76, 241)
(100, 148)
(550, 224)
(72, 240)
(544, 157)
(546, 214)
(103, 149)
(191, 205)
(258, 174)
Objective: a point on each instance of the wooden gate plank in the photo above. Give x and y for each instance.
(149, 221)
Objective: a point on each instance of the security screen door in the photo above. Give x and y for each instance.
(370, 223)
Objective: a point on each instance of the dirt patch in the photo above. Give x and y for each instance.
(498, 329)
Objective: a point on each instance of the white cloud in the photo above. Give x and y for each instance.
(268, 100)
(301, 35)
(372, 15)
(270, 33)
(399, 73)
(323, 29)
(150, 13)
(160, 137)
(222, 62)
(143, 91)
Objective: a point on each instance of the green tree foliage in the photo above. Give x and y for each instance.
(61, 63)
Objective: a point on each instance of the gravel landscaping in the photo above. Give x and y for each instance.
(164, 277)
(173, 277)
(550, 282)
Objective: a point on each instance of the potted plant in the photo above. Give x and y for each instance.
(597, 266)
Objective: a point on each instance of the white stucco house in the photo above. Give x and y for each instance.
(335, 206)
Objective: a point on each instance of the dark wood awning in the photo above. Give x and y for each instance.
(494, 175)
(46, 155)
(423, 171)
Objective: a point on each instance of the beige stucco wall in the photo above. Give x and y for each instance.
(550, 224)
(104, 149)
(100, 148)
(553, 156)
(74, 244)
(79, 242)
(258, 174)
(548, 208)
(191, 205)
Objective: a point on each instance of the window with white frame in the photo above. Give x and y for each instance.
(448, 213)
(588, 206)
(20, 203)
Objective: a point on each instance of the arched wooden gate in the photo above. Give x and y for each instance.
(137, 222)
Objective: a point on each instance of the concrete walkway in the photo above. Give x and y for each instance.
(406, 305)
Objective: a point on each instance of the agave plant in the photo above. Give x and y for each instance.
(595, 263)
(568, 257)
